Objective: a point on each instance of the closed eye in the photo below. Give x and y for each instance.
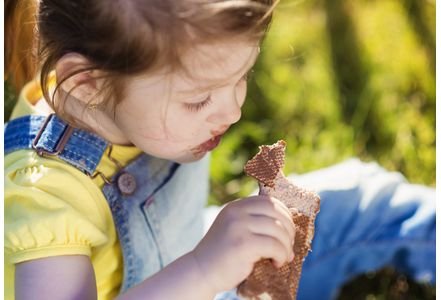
(195, 107)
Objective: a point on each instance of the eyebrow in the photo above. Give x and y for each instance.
(201, 90)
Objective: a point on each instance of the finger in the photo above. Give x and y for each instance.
(271, 207)
(263, 225)
(263, 205)
(269, 247)
(287, 220)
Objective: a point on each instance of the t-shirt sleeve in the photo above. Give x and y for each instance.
(51, 209)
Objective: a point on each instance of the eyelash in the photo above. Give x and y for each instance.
(195, 107)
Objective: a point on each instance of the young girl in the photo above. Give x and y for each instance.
(106, 166)
(107, 180)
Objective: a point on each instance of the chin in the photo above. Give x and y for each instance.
(189, 158)
(181, 157)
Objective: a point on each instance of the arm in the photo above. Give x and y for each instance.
(72, 277)
(182, 279)
(58, 277)
(244, 232)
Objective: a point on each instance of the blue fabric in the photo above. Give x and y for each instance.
(160, 221)
(163, 219)
(369, 219)
(83, 150)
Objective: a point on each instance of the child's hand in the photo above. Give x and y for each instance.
(244, 232)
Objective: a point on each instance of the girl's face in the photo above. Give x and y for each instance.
(180, 117)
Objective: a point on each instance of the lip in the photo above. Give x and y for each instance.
(220, 131)
(208, 145)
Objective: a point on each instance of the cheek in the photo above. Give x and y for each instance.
(241, 92)
(141, 118)
(182, 126)
(158, 125)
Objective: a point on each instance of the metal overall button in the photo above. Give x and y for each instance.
(126, 184)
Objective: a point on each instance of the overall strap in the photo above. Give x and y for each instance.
(51, 136)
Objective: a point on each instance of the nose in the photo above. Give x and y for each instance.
(226, 113)
(228, 110)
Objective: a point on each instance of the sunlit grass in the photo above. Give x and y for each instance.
(367, 90)
(386, 113)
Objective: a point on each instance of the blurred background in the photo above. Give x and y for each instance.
(338, 79)
(335, 79)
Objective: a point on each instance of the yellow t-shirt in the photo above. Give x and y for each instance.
(52, 208)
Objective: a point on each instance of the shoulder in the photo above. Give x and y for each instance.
(26, 169)
(51, 205)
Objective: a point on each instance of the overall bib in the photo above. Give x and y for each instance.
(157, 205)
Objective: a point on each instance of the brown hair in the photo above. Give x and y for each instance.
(20, 64)
(125, 38)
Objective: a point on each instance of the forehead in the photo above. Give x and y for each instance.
(216, 64)
(205, 67)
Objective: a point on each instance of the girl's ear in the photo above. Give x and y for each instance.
(83, 85)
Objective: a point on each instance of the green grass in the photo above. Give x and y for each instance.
(338, 79)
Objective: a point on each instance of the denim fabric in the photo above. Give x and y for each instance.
(160, 221)
(163, 219)
(83, 150)
(369, 218)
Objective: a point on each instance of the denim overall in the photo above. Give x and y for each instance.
(160, 220)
